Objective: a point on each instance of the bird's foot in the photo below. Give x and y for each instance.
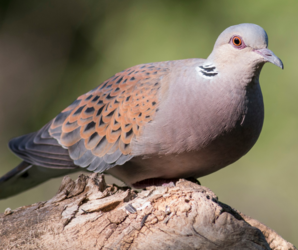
(161, 182)
(155, 182)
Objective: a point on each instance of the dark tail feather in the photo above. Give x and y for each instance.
(26, 176)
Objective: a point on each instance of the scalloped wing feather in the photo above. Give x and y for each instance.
(99, 126)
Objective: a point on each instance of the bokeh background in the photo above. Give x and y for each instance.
(53, 51)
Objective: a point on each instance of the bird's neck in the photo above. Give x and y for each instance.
(244, 74)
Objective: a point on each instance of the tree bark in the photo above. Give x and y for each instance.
(88, 214)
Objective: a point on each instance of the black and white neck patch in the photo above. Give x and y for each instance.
(207, 71)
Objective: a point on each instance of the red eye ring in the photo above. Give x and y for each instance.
(237, 41)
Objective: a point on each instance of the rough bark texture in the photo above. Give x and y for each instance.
(88, 214)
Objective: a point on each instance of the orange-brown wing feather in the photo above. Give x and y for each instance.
(104, 121)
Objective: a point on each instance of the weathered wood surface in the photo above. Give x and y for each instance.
(88, 214)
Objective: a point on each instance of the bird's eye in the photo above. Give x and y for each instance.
(237, 41)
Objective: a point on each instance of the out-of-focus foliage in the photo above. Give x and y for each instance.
(52, 51)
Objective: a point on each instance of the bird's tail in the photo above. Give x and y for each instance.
(26, 176)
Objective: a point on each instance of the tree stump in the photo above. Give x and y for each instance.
(89, 214)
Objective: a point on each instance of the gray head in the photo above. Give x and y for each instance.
(244, 43)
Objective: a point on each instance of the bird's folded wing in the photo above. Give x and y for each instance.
(96, 130)
(40, 149)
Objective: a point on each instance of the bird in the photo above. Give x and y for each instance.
(156, 122)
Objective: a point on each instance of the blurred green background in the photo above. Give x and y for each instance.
(53, 51)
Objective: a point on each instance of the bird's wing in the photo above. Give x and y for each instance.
(41, 149)
(96, 130)
(98, 127)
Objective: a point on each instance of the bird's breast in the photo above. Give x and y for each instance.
(195, 133)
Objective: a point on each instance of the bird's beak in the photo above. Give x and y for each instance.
(269, 56)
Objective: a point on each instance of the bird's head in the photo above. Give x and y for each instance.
(243, 44)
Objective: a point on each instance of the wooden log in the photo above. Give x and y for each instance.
(89, 214)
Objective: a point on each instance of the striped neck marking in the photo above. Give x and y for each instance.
(207, 71)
